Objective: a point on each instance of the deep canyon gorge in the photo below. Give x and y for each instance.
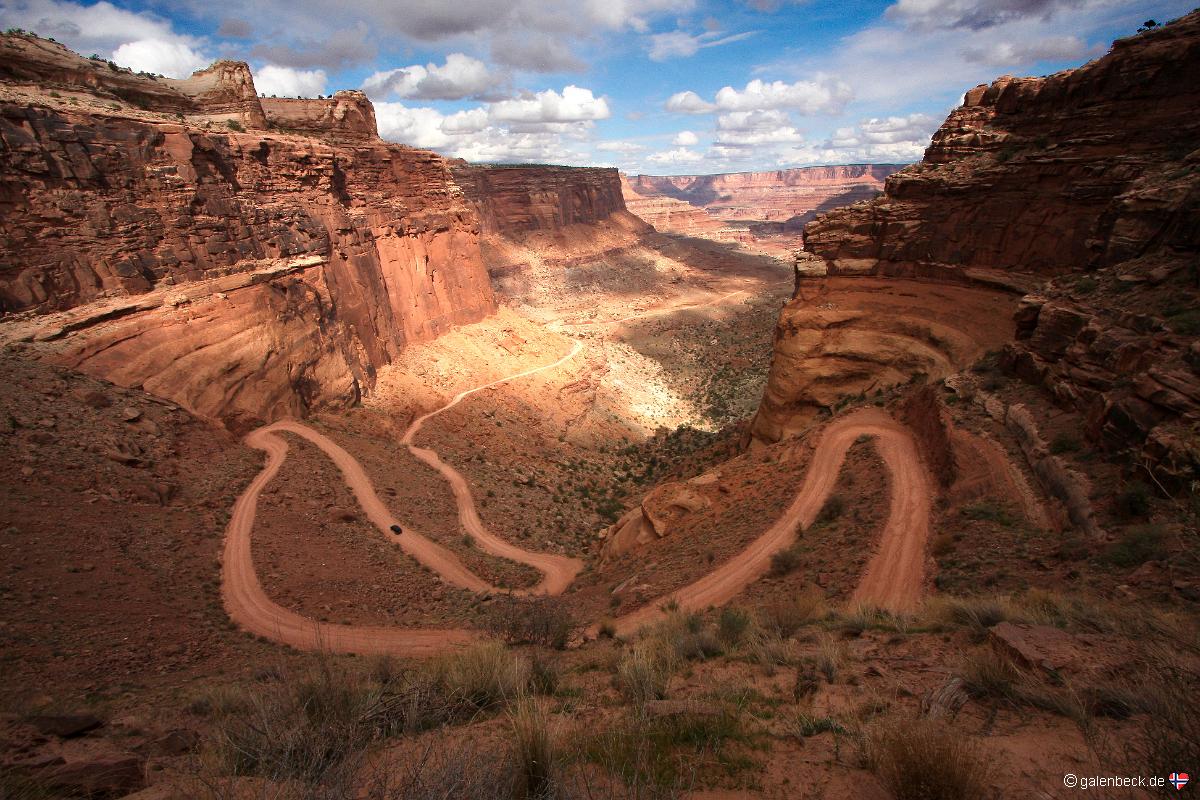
(333, 467)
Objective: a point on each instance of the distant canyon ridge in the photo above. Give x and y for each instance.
(740, 206)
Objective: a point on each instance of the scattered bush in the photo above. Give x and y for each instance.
(1133, 502)
(542, 621)
(832, 509)
(1065, 443)
(990, 512)
(926, 760)
(484, 675)
(987, 674)
(663, 754)
(1137, 545)
(644, 671)
(785, 616)
(732, 625)
(830, 655)
(786, 560)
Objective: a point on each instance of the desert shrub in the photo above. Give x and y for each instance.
(1168, 733)
(1065, 443)
(802, 725)
(1137, 545)
(309, 726)
(1185, 323)
(664, 753)
(786, 560)
(16, 785)
(832, 509)
(987, 674)
(543, 621)
(644, 671)
(978, 613)
(234, 125)
(534, 751)
(785, 616)
(732, 625)
(769, 649)
(926, 760)
(1133, 501)
(831, 653)
(990, 512)
(485, 675)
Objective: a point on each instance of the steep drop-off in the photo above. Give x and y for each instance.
(512, 200)
(1091, 176)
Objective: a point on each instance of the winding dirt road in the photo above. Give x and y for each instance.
(895, 574)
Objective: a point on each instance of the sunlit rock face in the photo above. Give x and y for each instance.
(114, 197)
(1032, 174)
(791, 196)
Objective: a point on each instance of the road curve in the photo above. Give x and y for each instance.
(557, 571)
(249, 607)
(895, 573)
(893, 579)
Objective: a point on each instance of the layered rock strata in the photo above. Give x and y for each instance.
(95, 207)
(1033, 174)
(520, 199)
(788, 195)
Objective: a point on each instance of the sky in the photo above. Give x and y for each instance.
(662, 87)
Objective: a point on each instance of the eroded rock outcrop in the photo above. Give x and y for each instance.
(669, 214)
(347, 115)
(1091, 176)
(843, 337)
(518, 199)
(1033, 174)
(378, 244)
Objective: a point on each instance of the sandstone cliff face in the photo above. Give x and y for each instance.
(1031, 174)
(668, 214)
(514, 200)
(97, 207)
(348, 115)
(1092, 176)
(778, 196)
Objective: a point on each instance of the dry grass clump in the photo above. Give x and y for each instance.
(786, 616)
(831, 654)
(535, 754)
(921, 759)
(484, 675)
(645, 669)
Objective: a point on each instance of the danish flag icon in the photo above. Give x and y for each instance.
(1179, 779)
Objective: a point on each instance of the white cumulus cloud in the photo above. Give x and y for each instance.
(459, 77)
(573, 104)
(172, 58)
(289, 82)
(686, 139)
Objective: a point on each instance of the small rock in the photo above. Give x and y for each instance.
(131, 414)
(64, 726)
(94, 398)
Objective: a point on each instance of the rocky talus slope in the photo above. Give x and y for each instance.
(1090, 177)
(272, 273)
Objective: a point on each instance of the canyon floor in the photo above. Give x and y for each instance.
(791, 623)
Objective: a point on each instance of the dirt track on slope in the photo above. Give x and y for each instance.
(893, 580)
(894, 575)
